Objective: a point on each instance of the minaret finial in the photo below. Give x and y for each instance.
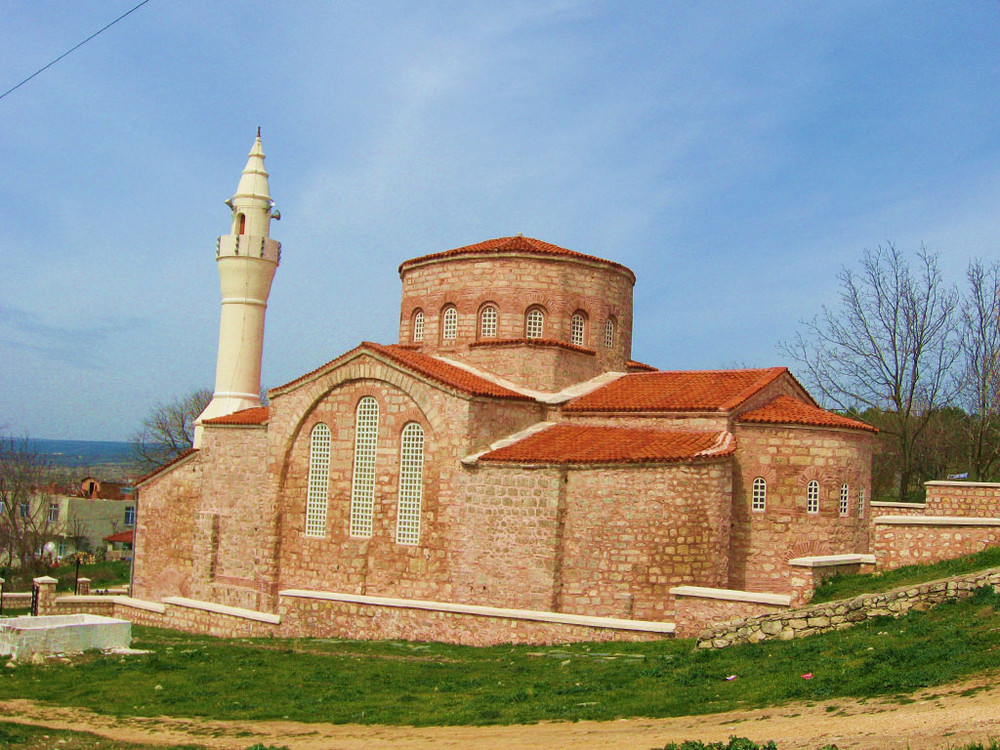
(258, 131)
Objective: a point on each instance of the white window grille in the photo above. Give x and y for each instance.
(812, 497)
(319, 481)
(130, 515)
(53, 512)
(861, 502)
(418, 326)
(845, 500)
(534, 324)
(450, 329)
(577, 328)
(411, 484)
(758, 501)
(363, 484)
(488, 323)
(609, 333)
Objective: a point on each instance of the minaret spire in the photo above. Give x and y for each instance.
(247, 259)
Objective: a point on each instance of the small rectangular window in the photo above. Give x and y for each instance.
(53, 512)
(130, 515)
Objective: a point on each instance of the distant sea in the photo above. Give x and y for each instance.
(73, 453)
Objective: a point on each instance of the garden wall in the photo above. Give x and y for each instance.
(839, 615)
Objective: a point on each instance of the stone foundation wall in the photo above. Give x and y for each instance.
(845, 613)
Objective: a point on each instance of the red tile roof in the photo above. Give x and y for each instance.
(634, 365)
(517, 244)
(254, 416)
(694, 390)
(567, 443)
(122, 536)
(430, 367)
(787, 410)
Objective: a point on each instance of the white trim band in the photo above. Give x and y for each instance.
(732, 595)
(937, 521)
(885, 504)
(560, 618)
(222, 609)
(244, 301)
(827, 561)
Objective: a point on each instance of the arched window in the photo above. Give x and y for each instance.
(241, 224)
(578, 329)
(449, 325)
(845, 499)
(861, 502)
(363, 483)
(534, 323)
(758, 500)
(418, 326)
(411, 484)
(609, 333)
(319, 480)
(488, 322)
(812, 496)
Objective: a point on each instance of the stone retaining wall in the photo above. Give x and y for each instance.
(839, 615)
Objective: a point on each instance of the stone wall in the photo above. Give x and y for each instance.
(788, 458)
(962, 499)
(839, 615)
(170, 502)
(912, 540)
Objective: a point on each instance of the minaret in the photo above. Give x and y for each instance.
(247, 260)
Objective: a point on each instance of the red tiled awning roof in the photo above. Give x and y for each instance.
(430, 367)
(255, 416)
(517, 244)
(122, 536)
(787, 410)
(569, 443)
(673, 390)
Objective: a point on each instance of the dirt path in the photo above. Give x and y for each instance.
(943, 717)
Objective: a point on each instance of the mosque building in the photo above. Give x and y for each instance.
(505, 455)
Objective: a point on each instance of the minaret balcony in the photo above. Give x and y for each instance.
(248, 246)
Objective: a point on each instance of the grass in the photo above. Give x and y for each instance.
(846, 586)
(402, 683)
(30, 737)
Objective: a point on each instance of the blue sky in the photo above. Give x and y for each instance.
(734, 155)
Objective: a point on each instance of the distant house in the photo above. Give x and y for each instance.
(119, 546)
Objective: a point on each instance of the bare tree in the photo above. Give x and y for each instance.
(25, 525)
(980, 352)
(169, 430)
(889, 345)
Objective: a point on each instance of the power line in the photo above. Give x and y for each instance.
(15, 88)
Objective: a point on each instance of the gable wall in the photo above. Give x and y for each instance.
(165, 550)
(788, 458)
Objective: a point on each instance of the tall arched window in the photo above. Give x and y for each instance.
(812, 496)
(861, 502)
(578, 328)
(319, 480)
(609, 333)
(758, 500)
(845, 499)
(418, 326)
(449, 325)
(363, 482)
(488, 322)
(534, 323)
(411, 484)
